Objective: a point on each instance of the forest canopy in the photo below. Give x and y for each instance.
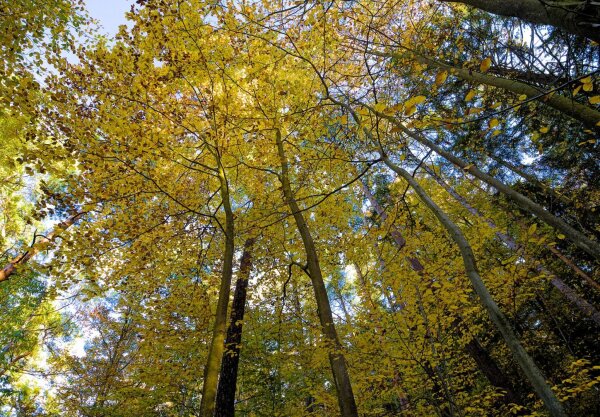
(300, 208)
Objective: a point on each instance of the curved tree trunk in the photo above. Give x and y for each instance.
(336, 358)
(225, 406)
(545, 13)
(579, 239)
(585, 114)
(528, 366)
(569, 293)
(217, 346)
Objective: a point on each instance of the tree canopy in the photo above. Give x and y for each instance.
(294, 208)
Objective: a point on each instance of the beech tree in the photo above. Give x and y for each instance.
(302, 208)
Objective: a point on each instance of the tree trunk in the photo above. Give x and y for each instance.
(587, 115)
(583, 242)
(225, 406)
(588, 245)
(570, 294)
(492, 371)
(529, 368)
(544, 13)
(482, 358)
(215, 353)
(336, 358)
(589, 280)
(550, 192)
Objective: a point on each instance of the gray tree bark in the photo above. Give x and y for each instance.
(336, 358)
(543, 12)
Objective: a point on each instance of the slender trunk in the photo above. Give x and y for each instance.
(336, 358)
(492, 371)
(215, 353)
(529, 368)
(528, 76)
(585, 114)
(583, 242)
(544, 13)
(225, 406)
(531, 179)
(482, 358)
(589, 246)
(12, 266)
(584, 306)
(574, 267)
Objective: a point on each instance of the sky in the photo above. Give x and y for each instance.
(109, 13)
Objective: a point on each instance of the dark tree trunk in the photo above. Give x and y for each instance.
(231, 356)
(579, 19)
(492, 372)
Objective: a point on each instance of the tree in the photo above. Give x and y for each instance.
(404, 191)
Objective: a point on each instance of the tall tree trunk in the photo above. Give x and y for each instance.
(225, 406)
(585, 114)
(482, 358)
(492, 371)
(550, 192)
(215, 353)
(336, 358)
(579, 239)
(570, 294)
(589, 280)
(544, 13)
(12, 266)
(583, 242)
(529, 368)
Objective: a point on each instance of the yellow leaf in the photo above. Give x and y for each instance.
(470, 95)
(496, 133)
(560, 236)
(415, 101)
(586, 80)
(544, 129)
(410, 110)
(594, 100)
(576, 90)
(493, 123)
(588, 87)
(379, 107)
(485, 64)
(441, 77)
(523, 97)
(532, 229)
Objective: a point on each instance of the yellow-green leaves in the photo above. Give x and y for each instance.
(470, 95)
(440, 78)
(485, 65)
(493, 123)
(587, 84)
(410, 106)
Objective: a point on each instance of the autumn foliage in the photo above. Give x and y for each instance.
(355, 208)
